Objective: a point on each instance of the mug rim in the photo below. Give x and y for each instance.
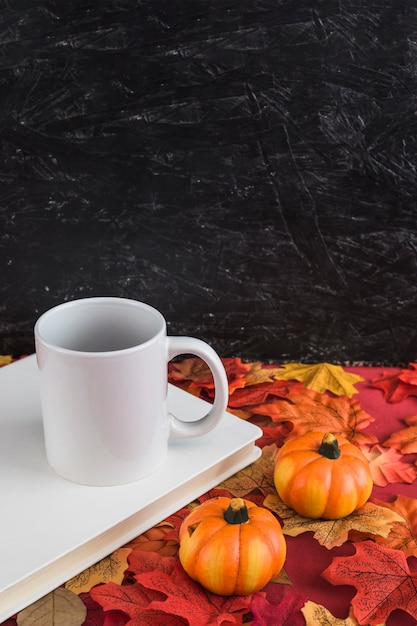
(43, 318)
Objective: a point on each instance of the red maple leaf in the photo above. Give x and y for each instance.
(187, 599)
(96, 616)
(273, 435)
(409, 376)
(397, 387)
(131, 599)
(382, 579)
(277, 605)
(259, 393)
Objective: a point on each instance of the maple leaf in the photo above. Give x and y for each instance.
(60, 607)
(157, 539)
(258, 475)
(196, 371)
(410, 375)
(5, 359)
(279, 608)
(112, 567)
(403, 534)
(397, 387)
(322, 377)
(142, 561)
(276, 434)
(382, 580)
(186, 598)
(97, 617)
(133, 599)
(370, 519)
(404, 440)
(386, 467)
(258, 393)
(281, 578)
(318, 615)
(259, 373)
(310, 410)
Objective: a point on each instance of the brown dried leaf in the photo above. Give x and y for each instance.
(59, 608)
(369, 520)
(281, 578)
(258, 374)
(318, 615)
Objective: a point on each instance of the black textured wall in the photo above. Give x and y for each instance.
(246, 166)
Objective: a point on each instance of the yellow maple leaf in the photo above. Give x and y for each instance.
(321, 377)
(111, 568)
(5, 359)
(370, 520)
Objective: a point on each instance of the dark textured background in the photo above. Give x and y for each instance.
(246, 166)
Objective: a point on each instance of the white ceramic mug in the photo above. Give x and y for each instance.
(104, 378)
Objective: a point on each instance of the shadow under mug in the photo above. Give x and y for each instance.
(103, 366)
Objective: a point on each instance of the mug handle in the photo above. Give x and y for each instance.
(191, 345)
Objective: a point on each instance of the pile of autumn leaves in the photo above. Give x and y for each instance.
(143, 583)
(293, 399)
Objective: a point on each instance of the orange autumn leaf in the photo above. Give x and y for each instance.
(371, 519)
(403, 534)
(322, 377)
(310, 410)
(156, 539)
(111, 568)
(195, 373)
(409, 375)
(382, 580)
(258, 475)
(387, 467)
(404, 440)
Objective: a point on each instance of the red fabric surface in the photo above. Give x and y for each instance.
(306, 558)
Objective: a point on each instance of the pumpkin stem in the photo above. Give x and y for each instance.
(329, 447)
(237, 512)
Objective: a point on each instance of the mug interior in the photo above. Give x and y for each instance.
(100, 325)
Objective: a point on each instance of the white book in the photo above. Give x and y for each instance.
(52, 529)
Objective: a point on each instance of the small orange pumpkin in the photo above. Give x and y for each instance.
(320, 476)
(231, 546)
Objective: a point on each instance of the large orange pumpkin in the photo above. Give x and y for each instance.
(320, 476)
(231, 546)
